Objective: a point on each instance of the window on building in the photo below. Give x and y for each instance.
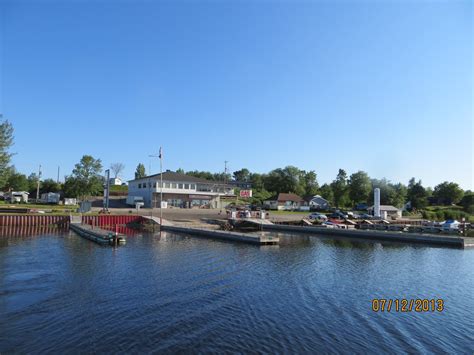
(154, 184)
(193, 187)
(180, 186)
(204, 187)
(167, 185)
(139, 186)
(186, 186)
(174, 185)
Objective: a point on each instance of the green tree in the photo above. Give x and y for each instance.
(85, 179)
(448, 193)
(117, 168)
(400, 195)
(6, 141)
(359, 187)
(32, 183)
(220, 177)
(180, 171)
(340, 189)
(49, 185)
(390, 194)
(327, 194)
(288, 179)
(17, 182)
(140, 171)
(417, 194)
(257, 181)
(201, 174)
(467, 202)
(241, 175)
(259, 196)
(310, 183)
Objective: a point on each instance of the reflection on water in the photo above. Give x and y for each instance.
(170, 293)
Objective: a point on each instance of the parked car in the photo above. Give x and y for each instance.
(330, 225)
(317, 217)
(339, 215)
(365, 216)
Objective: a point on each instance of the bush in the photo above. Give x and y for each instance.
(429, 215)
(444, 214)
(118, 188)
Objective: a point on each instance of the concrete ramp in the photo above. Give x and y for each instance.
(259, 239)
(76, 219)
(307, 222)
(256, 221)
(157, 220)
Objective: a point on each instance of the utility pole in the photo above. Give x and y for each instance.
(225, 171)
(106, 190)
(152, 200)
(225, 179)
(38, 184)
(161, 187)
(57, 180)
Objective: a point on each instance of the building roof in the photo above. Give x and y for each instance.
(309, 198)
(173, 176)
(289, 197)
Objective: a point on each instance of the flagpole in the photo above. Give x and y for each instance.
(161, 188)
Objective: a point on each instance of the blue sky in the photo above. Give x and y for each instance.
(385, 87)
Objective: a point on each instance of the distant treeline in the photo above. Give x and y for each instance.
(346, 190)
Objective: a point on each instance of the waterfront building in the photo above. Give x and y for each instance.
(317, 202)
(180, 190)
(286, 201)
(387, 211)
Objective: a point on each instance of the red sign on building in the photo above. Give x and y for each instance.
(245, 193)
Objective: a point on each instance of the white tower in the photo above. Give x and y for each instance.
(377, 202)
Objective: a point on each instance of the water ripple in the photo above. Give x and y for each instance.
(172, 293)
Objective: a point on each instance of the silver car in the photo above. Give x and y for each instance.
(318, 217)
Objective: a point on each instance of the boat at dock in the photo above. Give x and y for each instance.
(97, 235)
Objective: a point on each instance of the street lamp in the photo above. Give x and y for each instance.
(160, 156)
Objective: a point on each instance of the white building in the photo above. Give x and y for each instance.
(18, 196)
(70, 201)
(179, 190)
(286, 201)
(50, 197)
(317, 202)
(387, 211)
(115, 181)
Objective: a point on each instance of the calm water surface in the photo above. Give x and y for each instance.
(169, 293)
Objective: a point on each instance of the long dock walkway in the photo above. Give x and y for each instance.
(100, 236)
(224, 235)
(446, 240)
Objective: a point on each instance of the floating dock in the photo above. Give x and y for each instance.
(100, 236)
(224, 235)
(433, 239)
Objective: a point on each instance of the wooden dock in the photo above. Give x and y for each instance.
(100, 236)
(224, 235)
(432, 239)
